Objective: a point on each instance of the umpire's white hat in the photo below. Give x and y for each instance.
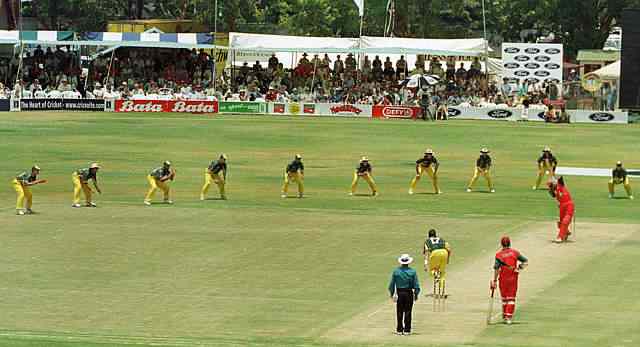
(405, 259)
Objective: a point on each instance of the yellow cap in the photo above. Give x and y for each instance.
(35, 167)
(94, 166)
(298, 156)
(428, 151)
(167, 163)
(547, 149)
(364, 159)
(223, 156)
(484, 150)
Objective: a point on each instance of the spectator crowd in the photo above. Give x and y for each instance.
(139, 73)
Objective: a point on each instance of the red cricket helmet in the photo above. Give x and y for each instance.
(505, 241)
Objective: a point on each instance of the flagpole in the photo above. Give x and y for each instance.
(486, 43)
(360, 41)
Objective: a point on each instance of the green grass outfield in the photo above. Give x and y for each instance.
(259, 270)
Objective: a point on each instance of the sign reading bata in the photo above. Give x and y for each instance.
(190, 106)
(403, 112)
(243, 107)
(62, 104)
(532, 62)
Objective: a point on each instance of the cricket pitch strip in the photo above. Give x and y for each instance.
(464, 316)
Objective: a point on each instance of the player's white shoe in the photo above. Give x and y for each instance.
(493, 190)
(374, 194)
(534, 188)
(20, 213)
(508, 321)
(468, 190)
(147, 202)
(91, 204)
(631, 197)
(410, 191)
(284, 196)
(350, 194)
(201, 197)
(76, 206)
(300, 196)
(168, 202)
(610, 196)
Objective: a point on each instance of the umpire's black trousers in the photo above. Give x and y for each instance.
(403, 310)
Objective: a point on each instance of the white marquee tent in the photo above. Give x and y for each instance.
(609, 72)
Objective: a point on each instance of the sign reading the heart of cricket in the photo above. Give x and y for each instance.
(533, 62)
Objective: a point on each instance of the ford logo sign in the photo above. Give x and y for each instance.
(532, 80)
(453, 112)
(532, 50)
(521, 73)
(552, 80)
(521, 58)
(552, 51)
(531, 65)
(601, 117)
(552, 66)
(511, 50)
(499, 114)
(511, 65)
(541, 116)
(542, 58)
(542, 73)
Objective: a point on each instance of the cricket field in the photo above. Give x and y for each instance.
(259, 270)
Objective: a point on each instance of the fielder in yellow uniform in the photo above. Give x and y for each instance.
(619, 176)
(547, 164)
(437, 254)
(363, 171)
(22, 184)
(294, 172)
(430, 165)
(80, 180)
(159, 179)
(215, 173)
(483, 168)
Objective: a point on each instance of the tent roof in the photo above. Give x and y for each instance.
(448, 47)
(280, 43)
(366, 44)
(609, 72)
(154, 40)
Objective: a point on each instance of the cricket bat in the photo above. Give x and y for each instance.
(490, 310)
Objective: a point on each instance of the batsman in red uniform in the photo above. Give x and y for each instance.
(567, 209)
(508, 264)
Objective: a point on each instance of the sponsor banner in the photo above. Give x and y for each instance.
(5, 105)
(62, 104)
(602, 117)
(243, 107)
(532, 62)
(344, 110)
(403, 112)
(187, 106)
(494, 113)
(296, 108)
